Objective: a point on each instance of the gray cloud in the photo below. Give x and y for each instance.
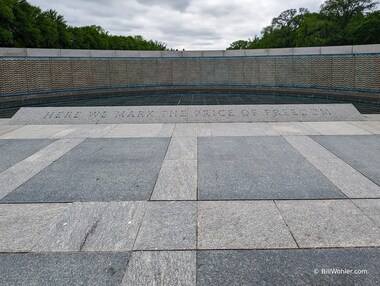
(189, 24)
(180, 5)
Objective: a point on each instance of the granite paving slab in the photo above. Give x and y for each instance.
(257, 168)
(37, 132)
(182, 148)
(161, 268)
(336, 128)
(242, 129)
(20, 173)
(292, 128)
(351, 182)
(22, 226)
(110, 226)
(4, 121)
(166, 130)
(134, 131)
(371, 126)
(168, 226)
(177, 180)
(91, 131)
(242, 225)
(98, 170)
(185, 130)
(204, 129)
(8, 128)
(329, 223)
(14, 151)
(288, 267)
(371, 208)
(62, 269)
(361, 152)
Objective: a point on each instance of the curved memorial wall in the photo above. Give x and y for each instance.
(26, 72)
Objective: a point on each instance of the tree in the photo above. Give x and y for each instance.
(345, 10)
(339, 22)
(25, 29)
(6, 22)
(239, 45)
(24, 25)
(365, 30)
(317, 30)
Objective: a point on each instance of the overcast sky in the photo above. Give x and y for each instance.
(182, 24)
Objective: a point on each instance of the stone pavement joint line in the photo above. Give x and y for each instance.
(20, 173)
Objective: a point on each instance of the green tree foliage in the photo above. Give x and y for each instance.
(24, 25)
(339, 22)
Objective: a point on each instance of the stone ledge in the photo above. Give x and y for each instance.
(186, 114)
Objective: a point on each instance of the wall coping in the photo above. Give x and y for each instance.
(26, 52)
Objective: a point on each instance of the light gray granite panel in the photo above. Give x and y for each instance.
(351, 182)
(186, 114)
(182, 148)
(14, 151)
(168, 226)
(371, 208)
(242, 129)
(177, 181)
(203, 129)
(241, 225)
(336, 128)
(329, 223)
(108, 226)
(371, 126)
(63, 269)
(161, 268)
(134, 131)
(8, 128)
(288, 267)
(98, 170)
(91, 131)
(38, 132)
(293, 128)
(185, 130)
(20, 173)
(257, 168)
(166, 130)
(361, 152)
(21, 226)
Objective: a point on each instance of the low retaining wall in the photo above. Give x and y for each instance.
(36, 71)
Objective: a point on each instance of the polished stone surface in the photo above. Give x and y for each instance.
(23, 171)
(361, 152)
(257, 168)
(351, 182)
(62, 269)
(98, 170)
(14, 151)
(288, 267)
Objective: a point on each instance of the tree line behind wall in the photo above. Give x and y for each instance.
(26, 26)
(339, 22)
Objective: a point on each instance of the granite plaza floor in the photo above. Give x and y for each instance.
(294, 203)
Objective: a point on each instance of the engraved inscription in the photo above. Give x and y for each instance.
(183, 114)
